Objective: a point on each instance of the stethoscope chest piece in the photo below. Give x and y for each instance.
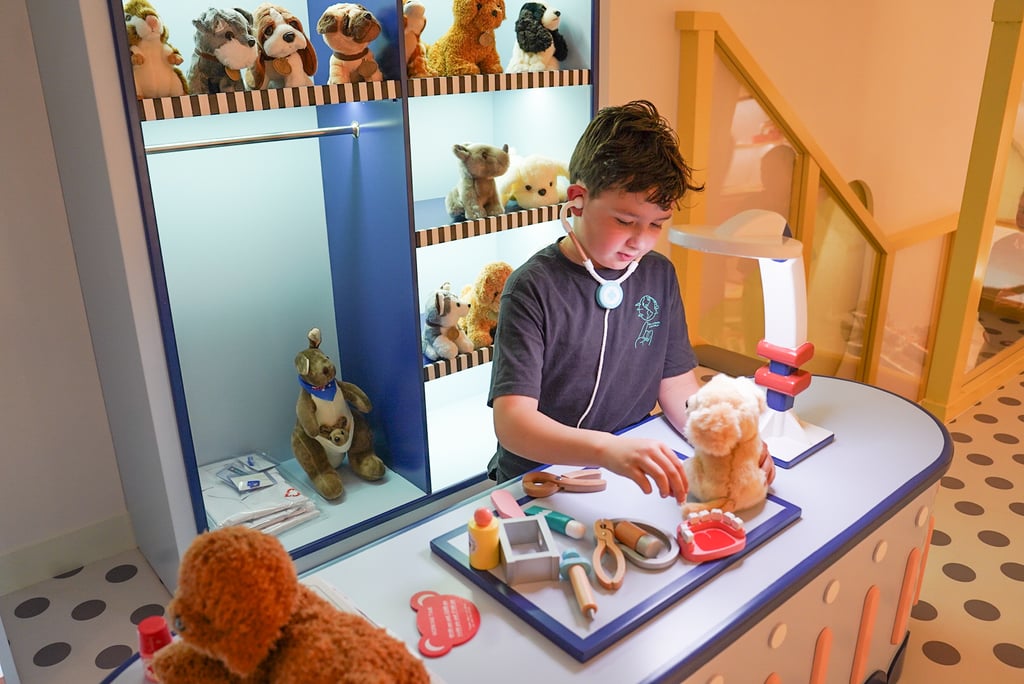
(609, 295)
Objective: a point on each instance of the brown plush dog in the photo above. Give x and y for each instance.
(242, 615)
(326, 428)
(286, 57)
(348, 29)
(484, 297)
(467, 47)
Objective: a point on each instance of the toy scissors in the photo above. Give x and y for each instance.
(542, 483)
(604, 532)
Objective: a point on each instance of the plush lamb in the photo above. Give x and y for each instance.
(533, 181)
(723, 426)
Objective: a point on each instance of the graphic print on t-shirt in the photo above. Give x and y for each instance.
(647, 310)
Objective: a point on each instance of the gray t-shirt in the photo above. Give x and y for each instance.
(548, 345)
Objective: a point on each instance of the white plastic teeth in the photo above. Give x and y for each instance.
(687, 534)
(716, 514)
(734, 521)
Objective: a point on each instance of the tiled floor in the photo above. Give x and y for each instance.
(967, 626)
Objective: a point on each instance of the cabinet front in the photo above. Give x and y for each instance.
(288, 189)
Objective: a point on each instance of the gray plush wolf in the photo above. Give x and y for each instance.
(224, 46)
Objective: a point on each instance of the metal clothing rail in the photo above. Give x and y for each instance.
(249, 139)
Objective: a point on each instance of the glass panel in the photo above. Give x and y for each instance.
(839, 286)
(1001, 307)
(751, 167)
(905, 338)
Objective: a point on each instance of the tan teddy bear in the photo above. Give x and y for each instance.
(326, 429)
(485, 297)
(722, 424)
(241, 615)
(468, 46)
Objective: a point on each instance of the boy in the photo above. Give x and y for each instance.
(567, 371)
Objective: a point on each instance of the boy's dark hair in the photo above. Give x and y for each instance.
(632, 148)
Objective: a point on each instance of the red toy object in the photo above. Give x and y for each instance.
(710, 535)
(444, 621)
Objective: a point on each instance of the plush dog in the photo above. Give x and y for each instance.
(484, 299)
(348, 29)
(326, 428)
(154, 60)
(533, 181)
(539, 46)
(468, 46)
(723, 426)
(242, 615)
(476, 194)
(286, 57)
(414, 20)
(224, 46)
(442, 337)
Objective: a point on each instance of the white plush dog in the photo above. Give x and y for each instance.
(722, 424)
(348, 29)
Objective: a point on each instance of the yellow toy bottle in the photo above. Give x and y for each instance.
(483, 540)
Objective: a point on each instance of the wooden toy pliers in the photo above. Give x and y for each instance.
(604, 532)
(543, 483)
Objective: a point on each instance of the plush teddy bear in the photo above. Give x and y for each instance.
(326, 429)
(442, 337)
(414, 20)
(476, 194)
(484, 299)
(468, 46)
(286, 57)
(539, 46)
(154, 60)
(242, 615)
(348, 29)
(224, 45)
(722, 424)
(533, 181)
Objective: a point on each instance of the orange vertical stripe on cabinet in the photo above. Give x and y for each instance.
(867, 629)
(907, 592)
(822, 651)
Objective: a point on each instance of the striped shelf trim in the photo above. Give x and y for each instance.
(485, 226)
(443, 367)
(479, 83)
(184, 106)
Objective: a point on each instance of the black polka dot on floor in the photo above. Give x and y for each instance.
(87, 610)
(32, 607)
(980, 459)
(941, 652)
(1011, 654)
(940, 538)
(122, 573)
(969, 508)
(113, 656)
(993, 538)
(51, 654)
(1014, 571)
(924, 611)
(69, 573)
(983, 610)
(998, 483)
(985, 418)
(1017, 507)
(952, 483)
(143, 612)
(959, 572)
(1005, 438)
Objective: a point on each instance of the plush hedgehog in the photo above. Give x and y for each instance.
(442, 337)
(539, 46)
(476, 194)
(154, 60)
(224, 46)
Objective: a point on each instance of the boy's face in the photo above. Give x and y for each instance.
(618, 227)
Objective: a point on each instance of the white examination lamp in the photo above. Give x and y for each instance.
(764, 235)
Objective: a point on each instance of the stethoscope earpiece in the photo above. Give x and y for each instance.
(609, 292)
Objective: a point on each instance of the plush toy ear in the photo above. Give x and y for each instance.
(327, 23)
(245, 13)
(308, 55)
(302, 364)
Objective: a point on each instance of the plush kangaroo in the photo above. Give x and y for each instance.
(326, 429)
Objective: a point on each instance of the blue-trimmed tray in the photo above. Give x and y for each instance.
(550, 606)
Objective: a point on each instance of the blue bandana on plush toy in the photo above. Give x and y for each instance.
(325, 392)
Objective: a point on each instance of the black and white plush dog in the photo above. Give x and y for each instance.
(224, 46)
(539, 46)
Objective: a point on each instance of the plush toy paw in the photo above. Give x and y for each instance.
(328, 484)
(367, 466)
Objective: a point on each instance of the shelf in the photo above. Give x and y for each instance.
(185, 106)
(443, 367)
(432, 211)
(480, 83)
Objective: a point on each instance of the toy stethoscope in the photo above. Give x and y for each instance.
(609, 292)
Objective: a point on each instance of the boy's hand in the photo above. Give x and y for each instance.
(643, 460)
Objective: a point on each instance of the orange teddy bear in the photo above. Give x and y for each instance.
(242, 616)
(468, 46)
